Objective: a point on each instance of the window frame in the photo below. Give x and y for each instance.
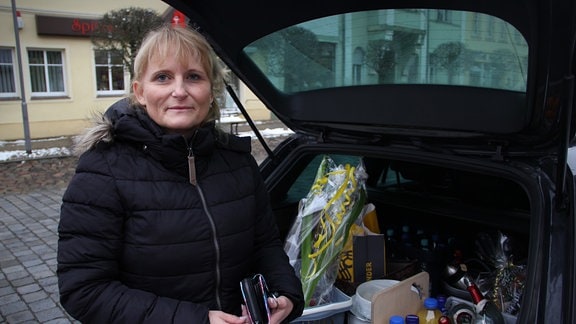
(15, 78)
(109, 68)
(45, 65)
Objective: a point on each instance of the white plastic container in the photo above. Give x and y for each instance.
(362, 300)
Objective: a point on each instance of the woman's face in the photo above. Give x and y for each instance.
(177, 95)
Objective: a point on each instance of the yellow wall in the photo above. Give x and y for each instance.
(57, 116)
(256, 108)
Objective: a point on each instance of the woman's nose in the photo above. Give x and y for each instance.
(179, 89)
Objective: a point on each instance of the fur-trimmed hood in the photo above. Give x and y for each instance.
(130, 125)
(100, 131)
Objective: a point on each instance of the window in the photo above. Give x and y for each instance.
(322, 53)
(7, 76)
(109, 72)
(444, 16)
(476, 21)
(357, 62)
(47, 72)
(503, 34)
(490, 28)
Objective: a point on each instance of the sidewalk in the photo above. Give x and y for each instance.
(28, 243)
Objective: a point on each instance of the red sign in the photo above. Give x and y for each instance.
(178, 19)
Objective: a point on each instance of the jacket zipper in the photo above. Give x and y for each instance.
(216, 245)
(194, 182)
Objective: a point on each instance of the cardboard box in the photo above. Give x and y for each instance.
(369, 260)
(372, 252)
(363, 256)
(400, 299)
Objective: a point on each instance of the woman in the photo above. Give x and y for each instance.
(166, 214)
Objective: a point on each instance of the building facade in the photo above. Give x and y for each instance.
(416, 46)
(64, 79)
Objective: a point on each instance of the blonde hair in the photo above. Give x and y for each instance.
(187, 44)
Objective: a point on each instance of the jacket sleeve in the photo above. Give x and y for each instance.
(272, 260)
(89, 252)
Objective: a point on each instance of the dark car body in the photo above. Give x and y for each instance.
(482, 144)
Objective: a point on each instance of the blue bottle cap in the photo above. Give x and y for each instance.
(431, 303)
(412, 319)
(396, 319)
(441, 299)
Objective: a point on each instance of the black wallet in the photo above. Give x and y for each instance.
(255, 294)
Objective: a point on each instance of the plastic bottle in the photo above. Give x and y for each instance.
(420, 234)
(424, 255)
(396, 319)
(444, 319)
(426, 263)
(405, 237)
(429, 314)
(391, 245)
(412, 319)
(442, 304)
(408, 249)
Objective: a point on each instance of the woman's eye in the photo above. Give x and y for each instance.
(194, 76)
(161, 77)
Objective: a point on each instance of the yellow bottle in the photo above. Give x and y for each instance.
(429, 313)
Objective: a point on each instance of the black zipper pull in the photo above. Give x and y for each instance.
(191, 167)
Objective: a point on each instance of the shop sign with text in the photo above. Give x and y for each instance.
(66, 26)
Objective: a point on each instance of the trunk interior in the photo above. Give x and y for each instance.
(481, 219)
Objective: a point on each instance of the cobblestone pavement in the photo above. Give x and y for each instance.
(20, 177)
(30, 198)
(28, 237)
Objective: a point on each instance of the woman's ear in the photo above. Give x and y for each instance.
(138, 90)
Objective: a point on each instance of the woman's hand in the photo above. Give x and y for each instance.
(219, 317)
(280, 308)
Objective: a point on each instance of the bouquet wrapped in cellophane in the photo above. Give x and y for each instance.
(318, 235)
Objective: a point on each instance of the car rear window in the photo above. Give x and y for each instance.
(398, 46)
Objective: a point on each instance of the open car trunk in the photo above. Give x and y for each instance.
(461, 112)
(488, 211)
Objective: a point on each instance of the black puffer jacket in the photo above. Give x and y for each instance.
(140, 244)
